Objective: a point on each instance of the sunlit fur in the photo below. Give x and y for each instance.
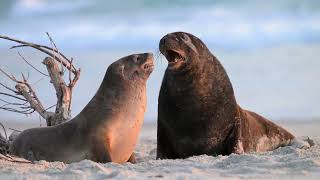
(106, 129)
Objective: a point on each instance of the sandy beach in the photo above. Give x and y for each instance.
(282, 163)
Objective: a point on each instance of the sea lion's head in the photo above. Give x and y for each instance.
(182, 50)
(193, 70)
(133, 68)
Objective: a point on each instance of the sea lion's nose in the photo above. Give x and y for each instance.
(148, 57)
(162, 43)
(144, 58)
(165, 38)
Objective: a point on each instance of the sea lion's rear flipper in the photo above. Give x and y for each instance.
(132, 159)
(260, 134)
(302, 143)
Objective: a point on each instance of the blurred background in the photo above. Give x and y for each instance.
(270, 49)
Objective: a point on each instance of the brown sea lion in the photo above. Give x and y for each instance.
(106, 130)
(197, 110)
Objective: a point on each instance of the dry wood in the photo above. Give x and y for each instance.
(23, 98)
(7, 157)
(63, 92)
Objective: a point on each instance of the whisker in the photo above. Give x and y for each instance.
(159, 58)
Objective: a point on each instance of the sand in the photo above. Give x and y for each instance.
(282, 163)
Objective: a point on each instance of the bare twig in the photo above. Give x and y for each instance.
(26, 112)
(10, 103)
(50, 107)
(24, 59)
(9, 76)
(52, 42)
(56, 50)
(44, 47)
(15, 130)
(36, 82)
(70, 78)
(52, 53)
(47, 50)
(13, 159)
(8, 88)
(4, 130)
(13, 96)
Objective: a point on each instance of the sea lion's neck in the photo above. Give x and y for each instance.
(114, 96)
(208, 73)
(205, 85)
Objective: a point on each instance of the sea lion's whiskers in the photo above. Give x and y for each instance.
(159, 57)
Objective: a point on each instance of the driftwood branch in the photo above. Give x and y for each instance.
(28, 101)
(31, 102)
(7, 157)
(28, 93)
(63, 92)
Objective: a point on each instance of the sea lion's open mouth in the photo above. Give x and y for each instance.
(173, 56)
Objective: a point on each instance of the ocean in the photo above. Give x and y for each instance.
(270, 49)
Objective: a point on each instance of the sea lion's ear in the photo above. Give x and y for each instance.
(117, 69)
(185, 38)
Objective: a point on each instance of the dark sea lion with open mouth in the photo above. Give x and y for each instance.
(106, 130)
(197, 109)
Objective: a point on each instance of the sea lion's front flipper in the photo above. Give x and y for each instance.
(132, 159)
(237, 145)
(30, 156)
(238, 148)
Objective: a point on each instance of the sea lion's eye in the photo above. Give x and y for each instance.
(187, 41)
(136, 59)
(185, 37)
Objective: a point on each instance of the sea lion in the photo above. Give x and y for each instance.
(106, 130)
(197, 109)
